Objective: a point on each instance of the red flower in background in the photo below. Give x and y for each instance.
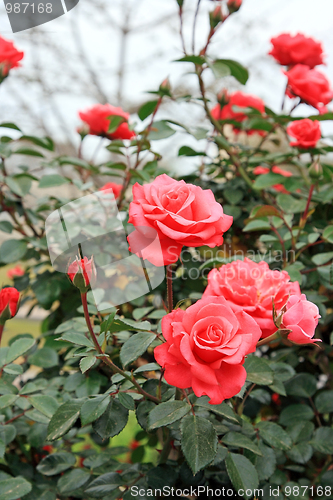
(181, 214)
(9, 56)
(15, 271)
(9, 298)
(301, 317)
(306, 132)
(116, 188)
(205, 348)
(310, 85)
(98, 121)
(275, 170)
(251, 287)
(239, 100)
(289, 50)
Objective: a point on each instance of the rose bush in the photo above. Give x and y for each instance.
(218, 376)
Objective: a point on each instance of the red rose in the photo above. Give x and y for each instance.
(310, 85)
(299, 49)
(180, 213)
(9, 298)
(306, 132)
(116, 188)
(275, 170)
(251, 287)
(9, 57)
(301, 317)
(239, 100)
(98, 121)
(205, 348)
(82, 273)
(15, 271)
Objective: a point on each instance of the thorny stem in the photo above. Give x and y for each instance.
(241, 406)
(106, 358)
(1, 332)
(169, 287)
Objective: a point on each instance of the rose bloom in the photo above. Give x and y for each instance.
(9, 56)
(98, 122)
(310, 85)
(301, 317)
(240, 100)
(82, 272)
(8, 297)
(15, 271)
(116, 188)
(298, 49)
(182, 215)
(205, 348)
(306, 132)
(275, 170)
(251, 287)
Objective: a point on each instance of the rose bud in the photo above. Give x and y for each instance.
(9, 301)
(82, 273)
(316, 170)
(301, 317)
(234, 5)
(216, 17)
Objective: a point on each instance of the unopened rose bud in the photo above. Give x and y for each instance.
(83, 130)
(223, 98)
(216, 17)
(82, 273)
(9, 303)
(316, 170)
(234, 5)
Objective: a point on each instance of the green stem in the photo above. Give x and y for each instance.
(169, 287)
(166, 447)
(269, 339)
(106, 358)
(1, 332)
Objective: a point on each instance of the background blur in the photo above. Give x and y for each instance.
(115, 50)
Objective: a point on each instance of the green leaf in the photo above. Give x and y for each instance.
(236, 70)
(265, 464)
(301, 453)
(7, 400)
(126, 400)
(142, 413)
(302, 431)
(295, 413)
(322, 258)
(115, 121)
(64, 419)
(147, 109)
(73, 480)
(13, 369)
(242, 473)
(149, 367)
(6, 227)
(44, 358)
(324, 402)
(18, 348)
(167, 413)
(328, 234)
(223, 410)
(52, 180)
(77, 338)
(12, 250)
(20, 184)
(258, 371)
(187, 151)
(274, 435)
(199, 442)
(93, 409)
(10, 125)
(303, 385)
(112, 421)
(135, 346)
(7, 434)
(45, 404)
(267, 180)
(256, 225)
(289, 204)
(14, 488)
(193, 59)
(55, 463)
(28, 152)
(219, 69)
(160, 130)
(322, 440)
(87, 363)
(238, 440)
(104, 484)
(44, 142)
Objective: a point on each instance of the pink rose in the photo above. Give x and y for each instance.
(310, 85)
(299, 49)
(205, 348)
(116, 188)
(239, 100)
(301, 317)
(97, 119)
(306, 132)
(251, 287)
(82, 273)
(182, 215)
